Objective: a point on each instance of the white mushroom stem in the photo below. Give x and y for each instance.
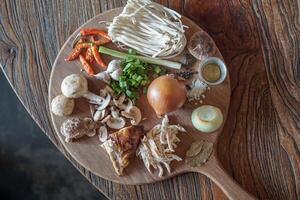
(95, 99)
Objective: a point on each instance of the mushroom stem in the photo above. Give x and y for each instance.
(93, 98)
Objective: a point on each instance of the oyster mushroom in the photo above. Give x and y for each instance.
(116, 123)
(134, 114)
(76, 85)
(62, 106)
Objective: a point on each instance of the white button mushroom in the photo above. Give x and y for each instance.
(62, 106)
(75, 86)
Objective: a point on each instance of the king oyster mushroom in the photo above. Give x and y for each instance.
(76, 127)
(75, 86)
(62, 106)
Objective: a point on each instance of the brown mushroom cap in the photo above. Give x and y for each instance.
(73, 128)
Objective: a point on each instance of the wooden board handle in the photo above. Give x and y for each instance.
(217, 174)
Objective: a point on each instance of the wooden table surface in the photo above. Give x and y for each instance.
(260, 41)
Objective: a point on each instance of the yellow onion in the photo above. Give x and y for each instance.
(166, 94)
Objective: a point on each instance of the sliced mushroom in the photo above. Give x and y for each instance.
(127, 106)
(92, 110)
(119, 102)
(114, 112)
(103, 135)
(105, 119)
(99, 115)
(116, 123)
(109, 90)
(90, 126)
(104, 103)
(134, 114)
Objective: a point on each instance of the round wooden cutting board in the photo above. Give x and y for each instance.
(87, 151)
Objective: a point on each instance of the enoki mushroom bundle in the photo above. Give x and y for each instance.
(149, 28)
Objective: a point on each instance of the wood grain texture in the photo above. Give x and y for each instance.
(259, 40)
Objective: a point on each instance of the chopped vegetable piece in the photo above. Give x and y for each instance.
(89, 55)
(87, 67)
(100, 41)
(77, 50)
(135, 77)
(132, 51)
(93, 31)
(167, 63)
(98, 57)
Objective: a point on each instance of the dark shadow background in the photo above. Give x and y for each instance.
(30, 165)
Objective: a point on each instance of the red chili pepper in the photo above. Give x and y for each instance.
(89, 55)
(98, 57)
(77, 50)
(100, 41)
(93, 31)
(87, 67)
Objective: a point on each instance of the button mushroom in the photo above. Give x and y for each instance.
(62, 106)
(134, 114)
(75, 86)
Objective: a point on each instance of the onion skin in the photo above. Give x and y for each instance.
(166, 94)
